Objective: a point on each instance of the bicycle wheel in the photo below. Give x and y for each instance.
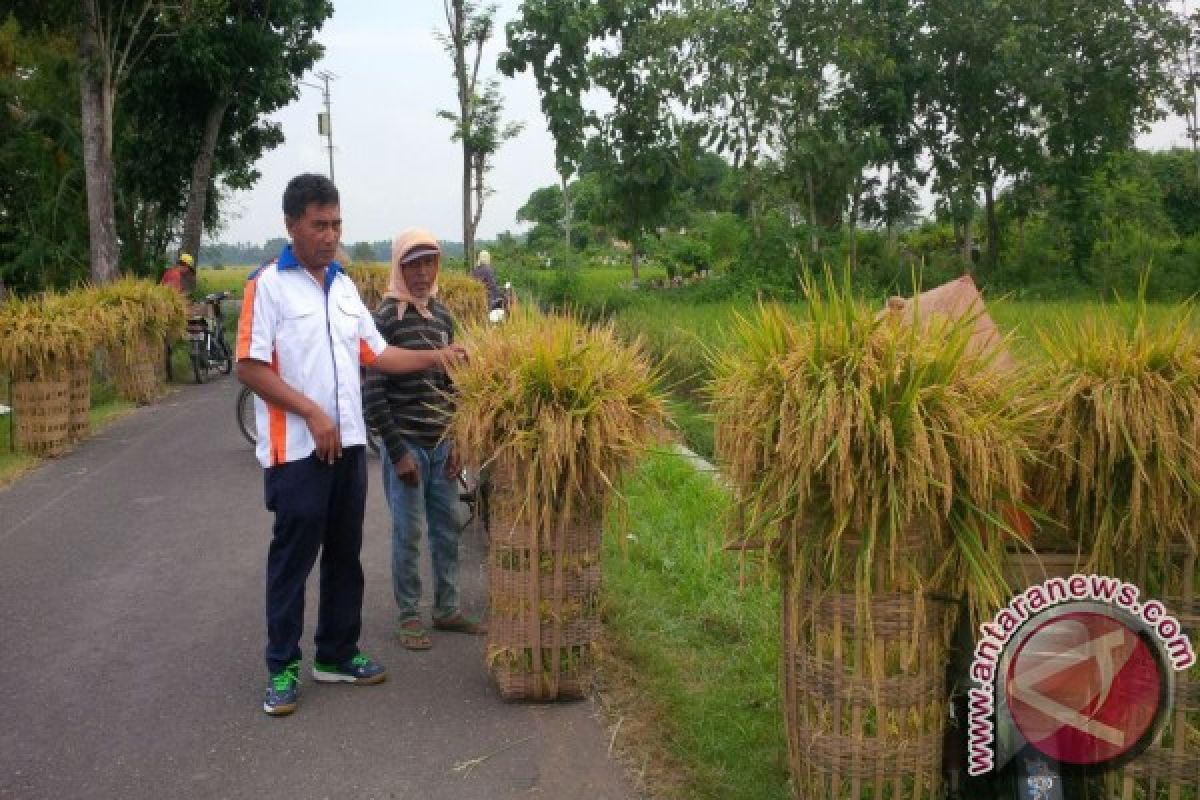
(222, 357)
(199, 367)
(245, 415)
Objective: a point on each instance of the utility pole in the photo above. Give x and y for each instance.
(325, 118)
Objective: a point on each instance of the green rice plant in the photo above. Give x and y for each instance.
(559, 408)
(848, 432)
(1121, 461)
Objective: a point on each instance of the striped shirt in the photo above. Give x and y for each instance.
(416, 405)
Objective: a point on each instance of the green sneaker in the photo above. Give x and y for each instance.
(283, 690)
(358, 670)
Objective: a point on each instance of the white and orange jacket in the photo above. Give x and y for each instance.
(316, 337)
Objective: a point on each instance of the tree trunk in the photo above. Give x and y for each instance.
(813, 223)
(98, 95)
(468, 237)
(993, 225)
(967, 243)
(566, 217)
(634, 263)
(888, 210)
(854, 203)
(193, 220)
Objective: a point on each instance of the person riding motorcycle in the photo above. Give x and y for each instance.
(484, 274)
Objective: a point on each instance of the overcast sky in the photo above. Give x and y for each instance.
(393, 158)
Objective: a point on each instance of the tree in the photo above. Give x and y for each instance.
(477, 120)
(112, 39)
(734, 69)
(243, 64)
(43, 230)
(552, 38)
(1108, 70)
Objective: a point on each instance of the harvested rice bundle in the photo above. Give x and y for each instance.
(557, 410)
(371, 280)
(853, 426)
(37, 340)
(1122, 461)
(464, 296)
(871, 456)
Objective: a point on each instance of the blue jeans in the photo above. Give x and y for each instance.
(431, 507)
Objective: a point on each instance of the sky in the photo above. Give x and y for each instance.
(393, 159)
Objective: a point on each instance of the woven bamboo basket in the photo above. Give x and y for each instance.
(864, 688)
(136, 372)
(1023, 569)
(544, 610)
(80, 376)
(1170, 768)
(42, 413)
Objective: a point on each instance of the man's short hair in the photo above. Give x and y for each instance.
(308, 189)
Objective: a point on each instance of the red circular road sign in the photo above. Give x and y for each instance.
(1084, 688)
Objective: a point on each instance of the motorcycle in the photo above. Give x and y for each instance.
(209, 350)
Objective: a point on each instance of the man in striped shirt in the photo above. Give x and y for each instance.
(420, 469)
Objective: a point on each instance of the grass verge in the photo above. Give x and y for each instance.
(692, 657)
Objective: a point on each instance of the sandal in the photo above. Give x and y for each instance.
(413, 635)
(458, 622)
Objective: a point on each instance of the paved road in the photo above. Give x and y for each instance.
(131, 637)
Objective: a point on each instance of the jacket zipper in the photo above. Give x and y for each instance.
(337, 386)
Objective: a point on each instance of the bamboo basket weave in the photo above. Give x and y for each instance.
(79, 424)
(864, 689)
(1170, 768)
(42, 412)
(136, 372)
(544, 610)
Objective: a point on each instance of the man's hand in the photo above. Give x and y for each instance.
(325, 435)
(406, 470)
(396, 360)
(453, 354)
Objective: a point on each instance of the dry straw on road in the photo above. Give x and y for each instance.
(557, 409)
(872, 457)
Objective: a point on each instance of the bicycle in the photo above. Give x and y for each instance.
(249, 427)
(209, 350)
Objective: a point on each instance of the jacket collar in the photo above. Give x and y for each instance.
(288, 260)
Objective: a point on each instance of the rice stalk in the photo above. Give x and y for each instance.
(849, 435)
(36, 340)
(558, 409)
(1121, 461)
(466, 297)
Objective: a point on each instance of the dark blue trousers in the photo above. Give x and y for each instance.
(318, 509)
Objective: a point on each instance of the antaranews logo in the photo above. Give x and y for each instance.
(1077, 667)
